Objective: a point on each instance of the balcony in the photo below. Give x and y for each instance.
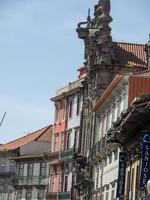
(67, 154)
(98, 147)
(58, 196)
(53, 157)
(52, 196)
(7, 175)
(30, 181)
(64, 196)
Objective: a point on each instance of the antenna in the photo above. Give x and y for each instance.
(2, 119)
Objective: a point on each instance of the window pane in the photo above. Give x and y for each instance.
(70, 107)
(43, 169)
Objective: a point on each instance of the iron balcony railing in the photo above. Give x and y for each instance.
(7, 175)
(58, 195)
(64, 196)
(99, 146)
(31, 180)
(66, 154)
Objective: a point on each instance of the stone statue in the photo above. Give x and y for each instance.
(105, 4)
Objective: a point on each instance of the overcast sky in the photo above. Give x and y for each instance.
(40, 52)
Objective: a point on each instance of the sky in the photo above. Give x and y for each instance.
(40, 52)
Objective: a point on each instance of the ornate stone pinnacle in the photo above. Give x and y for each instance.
(106, 6)
(89, 15)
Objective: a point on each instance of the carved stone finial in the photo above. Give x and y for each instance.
(106, 6)
(89, 15)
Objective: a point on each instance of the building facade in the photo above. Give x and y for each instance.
(129, 131)
(7, 173)
(103, 60)
(24, 166)
(68, 106)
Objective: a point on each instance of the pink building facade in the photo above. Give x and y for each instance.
(65, 140)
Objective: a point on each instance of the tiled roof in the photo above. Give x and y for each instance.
(24, 140)
(129, 54)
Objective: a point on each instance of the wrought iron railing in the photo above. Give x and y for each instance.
(7, 175)
(64, 196)
(31, 180)
(58, 195)
(99, 146)
(67, 153)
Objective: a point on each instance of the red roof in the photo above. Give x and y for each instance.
(130, 54)
(25, 139)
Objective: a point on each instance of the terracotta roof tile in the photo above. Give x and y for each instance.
(130, 54)
(25, 139)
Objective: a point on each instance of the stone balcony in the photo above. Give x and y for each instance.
(54, 157)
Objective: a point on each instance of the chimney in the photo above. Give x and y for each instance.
(147, 50)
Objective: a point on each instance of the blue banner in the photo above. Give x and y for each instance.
(145, 169)
(121, 175)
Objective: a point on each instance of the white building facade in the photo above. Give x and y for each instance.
(104, 155)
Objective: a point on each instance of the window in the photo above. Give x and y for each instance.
(73, 189)
(42, 169)
(78, 105)
(119, 108)
(29, 194)
(64, 110)
(62, 141)
(40, 194)
(137, 177)
(1, 195)
(107, 195)
(68, 140)
(105, 162)
(76, 139)
(19, 195)
(56, 112)
(2, 168)
(97, 175)
(60, 183)
(70, 107)
(66, 184)
(20, 170)
(128, 185)
(115, 155)
(53, 184)
(10, 195)
(12, 168)
(56, 142)
(30, 169)
(110, 158)
(113, 195)
(132, 181)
